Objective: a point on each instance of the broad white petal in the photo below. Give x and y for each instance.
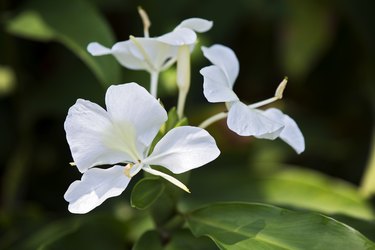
(157, 52)
(89, 132)
(291, 133)
(224, 58)
(95, 186)
(216, 87)
(184, 148)
(122, 51)
(196, 24)
(178, 37)
(246, 121)
(167, 177)
(135, 111)
(96, 49)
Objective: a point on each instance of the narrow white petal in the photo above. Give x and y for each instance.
(196, 24)
(178, 37)
(96, 49)
(95, 186)
(130, 105)
(89, 131)
(251, 122)
(216, 87)
(184, 148)
(167, 177)
(291, 133)
(225, 59)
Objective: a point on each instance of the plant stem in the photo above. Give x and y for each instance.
(213, 119)
(183, 78)
(154, 83)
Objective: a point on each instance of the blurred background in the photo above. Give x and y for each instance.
(326, 48)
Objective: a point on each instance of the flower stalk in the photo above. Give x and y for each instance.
(183, 78)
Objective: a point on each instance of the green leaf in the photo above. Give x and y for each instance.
(259, 226)
(306, 33)
(72, 23)
(296, 187)
(173, 121)
(150, 240)
(368, 184)
(51, 233)
(146, 192)
(183, 239)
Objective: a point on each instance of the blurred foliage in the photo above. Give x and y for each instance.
(327, 48)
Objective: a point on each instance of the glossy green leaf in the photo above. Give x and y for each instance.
(72, 23)
(291, 187)
(146, 192)
(259, 226)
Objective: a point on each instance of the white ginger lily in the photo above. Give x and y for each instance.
(153, 54)
(245, 120)
(121, 136)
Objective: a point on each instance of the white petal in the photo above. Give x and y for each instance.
(225, 59)
(178, 37)
(130, 105)
(246, 121)
(89, 131)
(184, 148)
(96, 49)
(129, 55)
(291, 133)
(216, 87)
(157, 52)
(196, 24)
(122, 51)
(95, 186)
(167, 177)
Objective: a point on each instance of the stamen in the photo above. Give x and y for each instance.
(143, 52)
(145, 20)
(278, 95)
(167, 177)
(73, 164)
(281, 87)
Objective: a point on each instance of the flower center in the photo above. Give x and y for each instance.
(132, 169)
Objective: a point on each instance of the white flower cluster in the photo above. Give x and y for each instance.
(122, 134)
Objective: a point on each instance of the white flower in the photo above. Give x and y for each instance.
(246, 120)
(121, 136)
(153, 54)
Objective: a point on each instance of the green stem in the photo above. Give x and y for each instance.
(213, 119)
(154, 83)
(183, 78)
(181, 103)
